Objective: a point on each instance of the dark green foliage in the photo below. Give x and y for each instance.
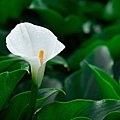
(87, 70)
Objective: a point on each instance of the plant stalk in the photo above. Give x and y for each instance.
(32, 102)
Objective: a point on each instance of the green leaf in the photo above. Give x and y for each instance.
(45, 93)
(19, 103)
(58, 60)
(5, 57)
(88, 83)
(9, 63)
(109, 32)
(96, 110)
(8, 81)
(51, 82)
(102, 54)
(82, 83)
(106, 34)
(64, 111)
(78, 55)
(112, 44)
(113, 116)
(73, 86)
(109, 88)
(15, 106)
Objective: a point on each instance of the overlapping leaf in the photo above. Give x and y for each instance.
(78, 55)
(95, 110)
(8, 81)
(82, 83)
(109, 88)
(18, 105)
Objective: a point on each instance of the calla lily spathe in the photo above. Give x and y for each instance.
(36, 45)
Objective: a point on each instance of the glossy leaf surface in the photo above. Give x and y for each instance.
(78, 108)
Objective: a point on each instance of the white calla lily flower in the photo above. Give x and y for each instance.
(36, 45)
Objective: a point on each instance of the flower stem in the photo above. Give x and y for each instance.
(32, 102)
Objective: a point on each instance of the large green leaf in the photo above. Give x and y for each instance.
(96, 110)
(19, 103)
(82, 83)
(109, 88)
(15, 106)
(88, 81)
(8, 81)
